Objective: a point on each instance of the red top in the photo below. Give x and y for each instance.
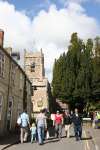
(58, 119)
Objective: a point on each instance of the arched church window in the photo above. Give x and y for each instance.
(33, 67)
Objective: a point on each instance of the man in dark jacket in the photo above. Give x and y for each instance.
(67, 122)
(77, 121)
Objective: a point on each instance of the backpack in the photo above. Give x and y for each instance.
(19, 121)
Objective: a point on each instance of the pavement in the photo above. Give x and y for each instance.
(95, 133)
(8, 140)
(52, 144)
(92, 140)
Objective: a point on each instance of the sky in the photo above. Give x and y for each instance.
(48, 24)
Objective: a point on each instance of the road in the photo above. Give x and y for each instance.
(54, 144)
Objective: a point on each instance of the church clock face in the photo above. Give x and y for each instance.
(40, 103)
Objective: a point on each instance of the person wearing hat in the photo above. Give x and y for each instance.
(58, 124)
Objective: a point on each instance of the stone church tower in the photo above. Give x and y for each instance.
(34, 68)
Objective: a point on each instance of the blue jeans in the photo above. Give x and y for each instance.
(33, 137)
(78, 131)
(40, 131)
(58, 129)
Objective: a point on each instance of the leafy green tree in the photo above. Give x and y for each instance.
(55, 81)
(73, 66)
(58, 82)
(97, 46)
(76, 74)
(96, 70)
(84, 78)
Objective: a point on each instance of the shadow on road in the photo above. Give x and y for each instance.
(8, 139)
(72, 136)
(51, 141)
(86, 138)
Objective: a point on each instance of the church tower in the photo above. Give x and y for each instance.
(34, 68)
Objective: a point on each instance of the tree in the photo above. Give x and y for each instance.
(84, 78)
(96, 69)
(73, 66)
(56, 81)
(76, 74)
(97, 46)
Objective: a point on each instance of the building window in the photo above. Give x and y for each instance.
(21, 81)
(13, 73)
(1, 100)
(9, 114)
(29, 89)
(10, 107)
(2, 61)
(35, 87)
(33, 67)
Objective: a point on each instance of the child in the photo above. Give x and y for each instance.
(33, 132)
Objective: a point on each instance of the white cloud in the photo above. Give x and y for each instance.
(77, 1)
(16, 25)
(50, 30)
(66, 2)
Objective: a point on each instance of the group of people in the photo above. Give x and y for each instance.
(45, 123)
(67, 119)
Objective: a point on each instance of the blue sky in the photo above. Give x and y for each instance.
(93, 9)
(32, 7)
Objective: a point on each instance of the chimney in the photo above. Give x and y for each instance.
(16, 55)
(9, 50)
(1, 37)
(41, 50)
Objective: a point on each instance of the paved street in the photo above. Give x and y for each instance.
(53, 144)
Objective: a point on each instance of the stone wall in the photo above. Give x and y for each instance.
(36, 74)
(12, 82)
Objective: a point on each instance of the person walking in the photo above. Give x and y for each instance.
(67, 122)
(41, 126)
(33, 132)
(77, 121)
(95, 120)
(58, 124)
(24, 126)
(49, 127)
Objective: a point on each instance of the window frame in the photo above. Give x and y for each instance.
(1, 104)
(2, 63)
(13, 73)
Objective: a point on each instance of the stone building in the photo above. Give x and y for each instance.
(34, 68)
(15, 90)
